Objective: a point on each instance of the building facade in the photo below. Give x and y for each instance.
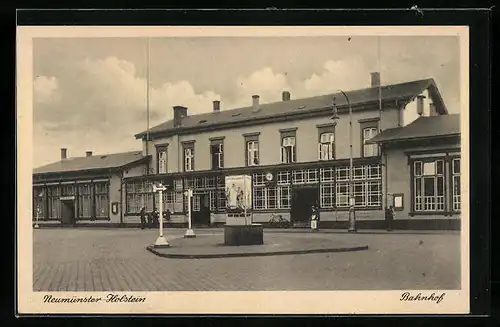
(84, 190)
(405, 151)
(297, 156)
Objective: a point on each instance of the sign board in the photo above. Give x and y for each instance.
(238, 192)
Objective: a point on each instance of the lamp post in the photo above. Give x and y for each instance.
(352, 214)
(160, 241)
(39, 196)
(189, 232)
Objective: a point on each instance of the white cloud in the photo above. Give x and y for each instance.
(264, 82)
(44, 89)
(99, 105)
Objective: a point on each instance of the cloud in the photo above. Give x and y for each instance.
(264, 82)
(99, 104)
(44, 89)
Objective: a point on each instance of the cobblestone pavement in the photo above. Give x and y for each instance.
(116, 260)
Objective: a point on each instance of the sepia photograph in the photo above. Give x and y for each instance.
(243, 165)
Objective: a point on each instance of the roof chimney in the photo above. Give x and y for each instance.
(375, 79)
(285, 96)
(420, 104)
(179, 113)
(216, 105)
(255, 102)
(432, 110)
(64, 153)
(88, 154)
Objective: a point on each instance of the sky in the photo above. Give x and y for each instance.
(90, 93)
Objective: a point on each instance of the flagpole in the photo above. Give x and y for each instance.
(379, 84)
(147, 100)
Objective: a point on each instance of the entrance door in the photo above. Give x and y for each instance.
(67, 212)
(303, 198)
(200, 209)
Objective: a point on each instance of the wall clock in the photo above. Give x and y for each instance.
(269, 177)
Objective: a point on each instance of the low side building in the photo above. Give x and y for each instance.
(422, 163)
(84, 190)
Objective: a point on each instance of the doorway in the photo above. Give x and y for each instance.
(68, 212)
(303, 198)
(200, 209)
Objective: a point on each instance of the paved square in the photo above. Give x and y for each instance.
(116, 260)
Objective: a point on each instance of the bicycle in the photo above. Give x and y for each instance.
(278, 220)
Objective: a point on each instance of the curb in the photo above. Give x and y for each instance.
(254, 254)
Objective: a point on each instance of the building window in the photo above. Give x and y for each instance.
(188, 156)
(161, 155)
(327, 195)
(252, 153)
(288, 150)
(54, 202)
(85, 204)
(428, 186)
(367, 186)
(456, 184)
(101, 200)
(251, 149)
(139, 194)
(327, 174)
(326, 146)
(369, 150)
(217, 153)
(275, 197)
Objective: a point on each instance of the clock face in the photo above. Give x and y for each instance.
(269, 176)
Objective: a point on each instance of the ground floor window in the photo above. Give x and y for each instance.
(333, 187)
(54, 202)
(91, 200)
(456, 184)
(85, 205)
(266, 198)
(101, 200)
(430, 180)
(141, 193)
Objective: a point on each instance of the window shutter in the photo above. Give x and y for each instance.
(320, 156)
(283, 154)
(292, 154)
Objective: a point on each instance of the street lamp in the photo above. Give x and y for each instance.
(40, 197)
(352, 214)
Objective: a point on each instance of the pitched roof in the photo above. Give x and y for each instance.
(422, 127)
(106, 161)
(406, 90)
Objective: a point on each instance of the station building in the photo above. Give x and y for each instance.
(297, 155)
(405, 150)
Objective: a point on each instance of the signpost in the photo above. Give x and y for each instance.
(189, 233)
(160, 241)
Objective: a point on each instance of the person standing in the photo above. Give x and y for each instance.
(389, 217)
(150, 219)
(143, 217)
